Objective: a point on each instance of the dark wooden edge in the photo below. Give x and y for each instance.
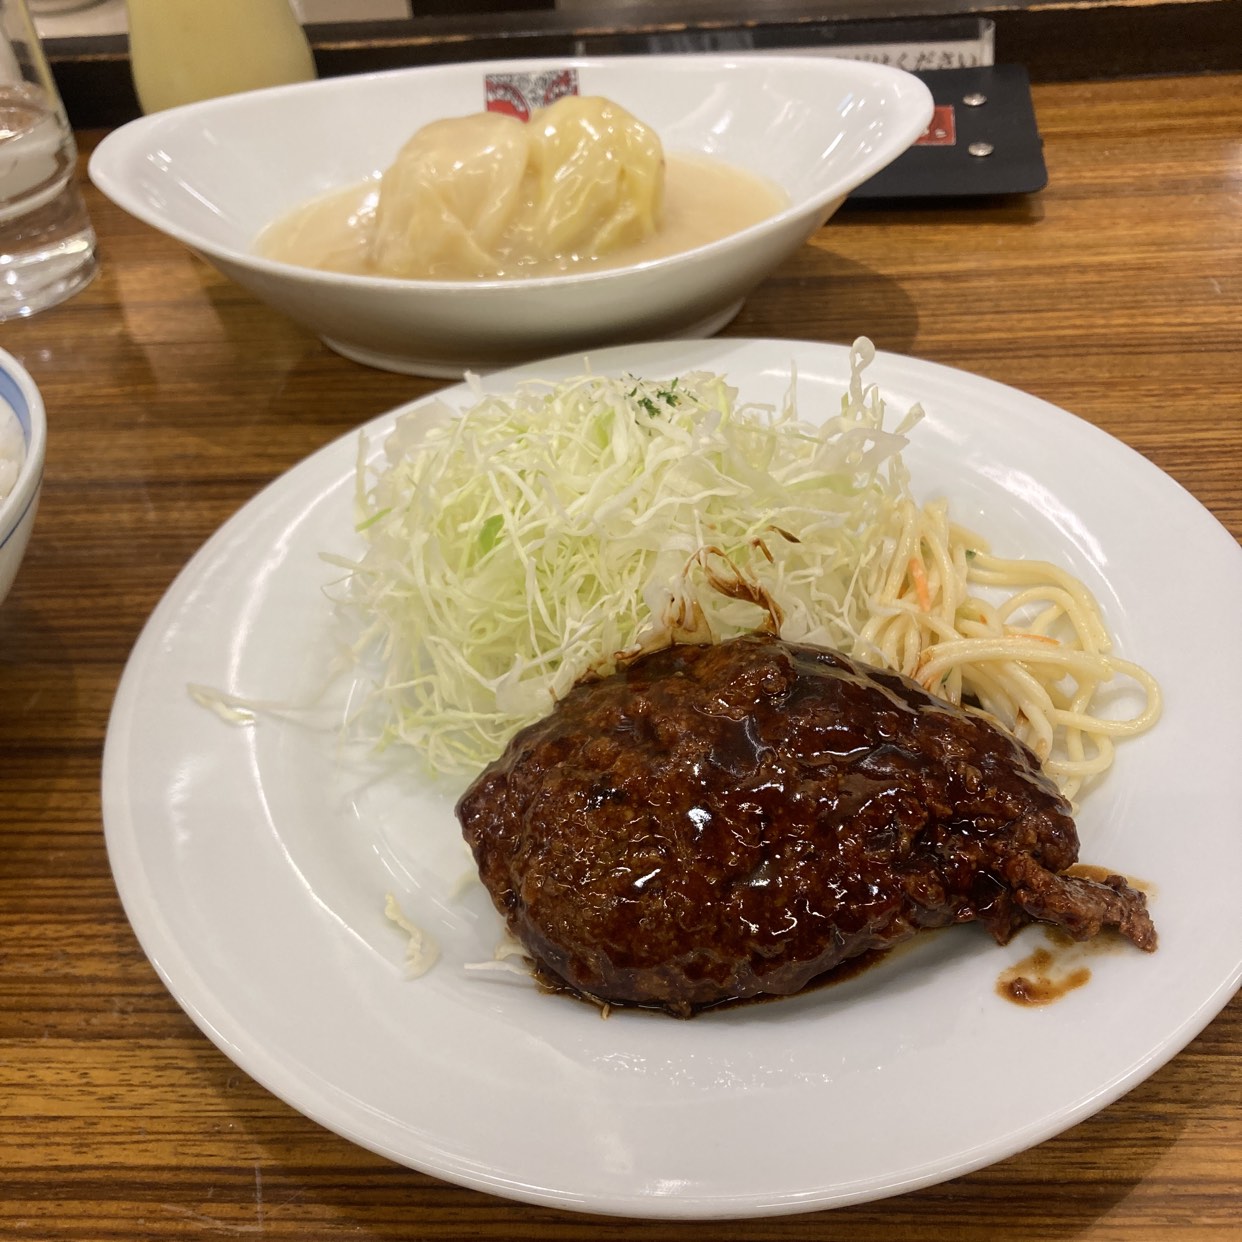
(1056, 40)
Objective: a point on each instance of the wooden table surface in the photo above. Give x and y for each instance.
(173, 397)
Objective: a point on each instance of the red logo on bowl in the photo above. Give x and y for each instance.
(942, 132)
(519, 94)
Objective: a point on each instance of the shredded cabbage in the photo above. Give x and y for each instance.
(421, 951)
(537, 536)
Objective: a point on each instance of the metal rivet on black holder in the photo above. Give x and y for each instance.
(974, 100)
(981, 149)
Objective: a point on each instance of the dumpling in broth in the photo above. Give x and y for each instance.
(445, 203)
(600, 178)
(487, 195)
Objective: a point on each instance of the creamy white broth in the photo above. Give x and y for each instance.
(583, 186)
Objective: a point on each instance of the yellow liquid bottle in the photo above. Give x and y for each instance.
(185, 50)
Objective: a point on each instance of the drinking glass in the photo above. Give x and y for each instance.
(182, 51)
(47, 244)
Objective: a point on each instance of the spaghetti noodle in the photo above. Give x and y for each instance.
(1023, 640)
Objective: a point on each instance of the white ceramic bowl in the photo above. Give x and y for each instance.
(17, 510)
(214, 174)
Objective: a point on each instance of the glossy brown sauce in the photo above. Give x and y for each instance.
(851, 968)
(1040, 978)
(1089, 871)
(1043, 977)
(1054, 970)
(549, 984)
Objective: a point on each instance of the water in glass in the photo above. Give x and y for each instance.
(47, 244)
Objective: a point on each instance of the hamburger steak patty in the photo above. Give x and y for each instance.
(718, 822)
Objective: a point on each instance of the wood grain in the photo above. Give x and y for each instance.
(173, 397)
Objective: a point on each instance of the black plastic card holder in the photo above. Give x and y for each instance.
(983, 140)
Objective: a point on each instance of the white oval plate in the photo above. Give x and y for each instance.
(816, 126)
(254, 861)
